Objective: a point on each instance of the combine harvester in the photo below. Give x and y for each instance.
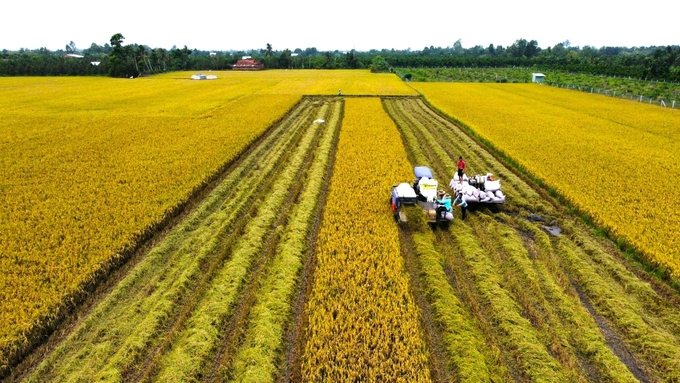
(423, 193)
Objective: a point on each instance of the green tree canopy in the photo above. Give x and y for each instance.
(379, 65)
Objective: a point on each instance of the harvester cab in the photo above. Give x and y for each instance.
(423, 194)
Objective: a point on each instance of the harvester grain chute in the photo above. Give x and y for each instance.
(423, 194)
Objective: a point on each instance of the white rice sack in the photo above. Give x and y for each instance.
(475, 193)
(469, 198)
(492, 185)
(489, 194)
(485, 199)
(465, 177)
(499, 194)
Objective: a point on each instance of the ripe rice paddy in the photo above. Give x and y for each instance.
(288, 266)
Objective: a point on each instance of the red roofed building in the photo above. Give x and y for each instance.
(247, 64)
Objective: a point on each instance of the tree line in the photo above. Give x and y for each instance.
(119, 60)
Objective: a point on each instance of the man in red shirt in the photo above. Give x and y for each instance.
(461, 168)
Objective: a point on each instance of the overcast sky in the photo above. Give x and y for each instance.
(339, 24)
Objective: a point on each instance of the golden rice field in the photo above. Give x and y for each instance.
(616, 160)
(90, 165)
(237, 230)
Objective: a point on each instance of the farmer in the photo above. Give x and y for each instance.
(443, 204)
(461, 168)
(444, 200)
(461, 202)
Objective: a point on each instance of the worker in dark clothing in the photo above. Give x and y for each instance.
(461, 202)
(461, 168)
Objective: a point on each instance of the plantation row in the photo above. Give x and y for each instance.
(195, 307)
(516, 304)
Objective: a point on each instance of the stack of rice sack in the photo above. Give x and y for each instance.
(456, 181)
(492, 190)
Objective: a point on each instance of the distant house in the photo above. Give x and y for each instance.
(247, 64)
(73, 56)
(537, 78)
(213, 54)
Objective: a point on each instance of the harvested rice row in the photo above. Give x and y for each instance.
(544, 331)
(130, 319)
(469, 357)
(363, 323)
(516, 333)
(531, 287)
(192, 348)
(256, 359)
(427, 131)
(649, 338)
(556, 285)
(587, 352)
(519, 336)
(641, 292)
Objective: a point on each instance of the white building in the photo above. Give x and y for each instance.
(537, 78)
(200, 76)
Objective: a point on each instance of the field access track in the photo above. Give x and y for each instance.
(194, 307)
(515, 303)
